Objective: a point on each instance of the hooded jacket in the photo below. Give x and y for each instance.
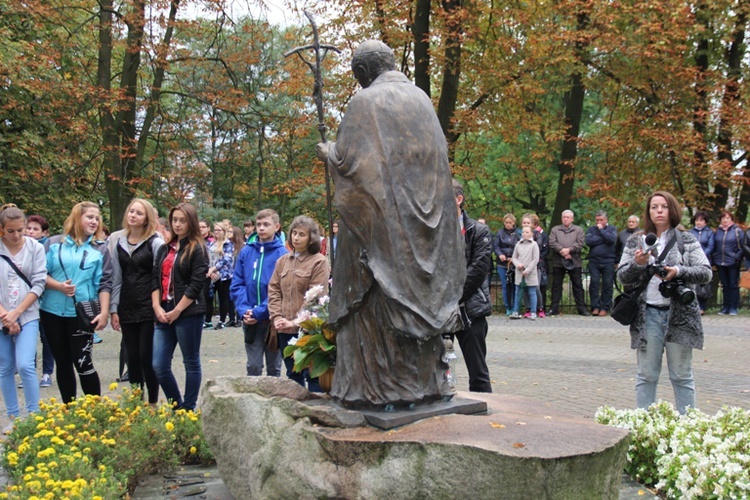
(34, 267)
(252, 273)
(88, 266)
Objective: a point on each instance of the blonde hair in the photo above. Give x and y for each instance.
(150, 227)
(534, 218)
(72, 226)
(218, 247)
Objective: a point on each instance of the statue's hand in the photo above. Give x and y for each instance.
(323, 151)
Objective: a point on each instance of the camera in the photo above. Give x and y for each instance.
(676, 289)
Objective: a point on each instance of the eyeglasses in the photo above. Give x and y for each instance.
(218, 230)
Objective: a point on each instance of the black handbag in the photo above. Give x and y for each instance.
(86, 310)
(625, 306)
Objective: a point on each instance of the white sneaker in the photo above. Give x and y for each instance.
(532, 317)
(46, 380)
(515, 315)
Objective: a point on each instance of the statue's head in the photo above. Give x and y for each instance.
(372, 58)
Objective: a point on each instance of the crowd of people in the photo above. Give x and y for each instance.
(157, 279)
(563, 248)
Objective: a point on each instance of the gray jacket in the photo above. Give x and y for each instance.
(34, 266)
(684, 326)
(561, 237)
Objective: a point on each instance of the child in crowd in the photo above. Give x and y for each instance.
(220, 270)
(252, 273)
(525, 258)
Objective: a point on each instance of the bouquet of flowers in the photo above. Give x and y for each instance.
(316, 348)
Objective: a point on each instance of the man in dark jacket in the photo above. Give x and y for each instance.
(601, 240)
(475, 301)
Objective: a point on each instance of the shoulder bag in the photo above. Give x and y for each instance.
(86, 310)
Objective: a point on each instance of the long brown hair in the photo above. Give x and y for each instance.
(195, 241)
(675, 211)
(238, 240)
(72, 225)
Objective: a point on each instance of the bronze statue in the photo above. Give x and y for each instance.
(400, 264)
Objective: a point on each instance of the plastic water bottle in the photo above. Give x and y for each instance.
(450, 359)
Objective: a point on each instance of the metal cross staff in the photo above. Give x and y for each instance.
(321, 50)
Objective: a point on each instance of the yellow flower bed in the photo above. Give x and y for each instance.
(96, 447)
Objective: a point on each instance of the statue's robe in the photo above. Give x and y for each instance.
(400, 267)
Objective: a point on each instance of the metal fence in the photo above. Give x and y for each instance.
(568, 305)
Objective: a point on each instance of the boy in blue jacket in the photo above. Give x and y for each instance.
(249, 291)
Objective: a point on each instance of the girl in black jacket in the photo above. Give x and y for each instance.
(133, 255)
(177, 299)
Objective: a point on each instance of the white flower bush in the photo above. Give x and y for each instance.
(690, 456)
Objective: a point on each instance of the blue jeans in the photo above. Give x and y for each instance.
(730, 282)
(679, 362)
(17, 352)
(531, 290)
(48, 361)
(502, 272)
(187, 332)
(606, 274)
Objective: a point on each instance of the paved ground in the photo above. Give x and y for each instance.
(570, 362)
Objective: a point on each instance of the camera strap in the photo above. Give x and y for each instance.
(667, 248)
(635, 292)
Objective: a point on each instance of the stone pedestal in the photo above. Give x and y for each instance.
(273, 439)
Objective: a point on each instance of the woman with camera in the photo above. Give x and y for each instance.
(668, 317)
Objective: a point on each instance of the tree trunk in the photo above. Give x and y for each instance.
(154, 98)
(452, 71)
(700, 113)
(573, 114)
(729, 101)
(110, 137)
(421, 32)
(128, 106)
